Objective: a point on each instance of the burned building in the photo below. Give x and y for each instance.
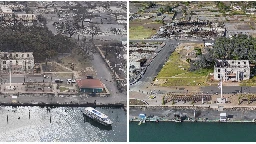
(191, 29)
(19, 62)
(232, 70)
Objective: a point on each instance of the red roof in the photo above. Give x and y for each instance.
(89, 83)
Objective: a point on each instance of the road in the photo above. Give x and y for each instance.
(156, 65)
(62, 99)
(185, 40)
(104, 74)
(228, 89)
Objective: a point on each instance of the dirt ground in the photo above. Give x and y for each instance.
(52, 67)
(81, 63)
(149, 28)
(148, 23)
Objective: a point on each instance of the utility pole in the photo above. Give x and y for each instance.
(10, 74)
(221, 88)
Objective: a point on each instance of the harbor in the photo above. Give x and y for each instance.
(192, 132)
(191, 123)
(60, 124)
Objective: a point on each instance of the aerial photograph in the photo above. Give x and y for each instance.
(63, 71)
(192, 75)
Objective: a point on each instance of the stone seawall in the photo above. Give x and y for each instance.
(192, 113)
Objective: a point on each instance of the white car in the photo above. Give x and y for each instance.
(71, 81)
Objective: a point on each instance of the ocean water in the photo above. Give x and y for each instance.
(63, 124)
(192, 132)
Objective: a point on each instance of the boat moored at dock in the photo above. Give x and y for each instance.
(97, 116)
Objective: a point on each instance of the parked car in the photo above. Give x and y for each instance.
(89, 77)
(58, 80)
(70, 81)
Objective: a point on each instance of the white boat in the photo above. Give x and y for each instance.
(177, 120)
(97, 116)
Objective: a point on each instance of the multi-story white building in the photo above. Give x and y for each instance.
(5, 11)
(26, 17)
(19, 62)
(232, 70)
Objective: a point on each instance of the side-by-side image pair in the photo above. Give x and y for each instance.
(127, 71)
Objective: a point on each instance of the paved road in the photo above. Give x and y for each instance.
(32, 98)
(104, 74)
(156, 65)
(183, 40)
(228, 89)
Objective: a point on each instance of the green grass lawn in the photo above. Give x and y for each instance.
(175, 76)
(250, 82)
(139, 32)
(62, 89)
(171, 68)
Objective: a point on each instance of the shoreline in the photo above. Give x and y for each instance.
(198, 121)
(192, 114)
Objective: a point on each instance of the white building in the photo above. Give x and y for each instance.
(19, 61)
(26, 17)
(232, 70)
(5, 11)
(223, 117)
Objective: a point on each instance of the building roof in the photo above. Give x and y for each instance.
(6, 10)
(90, 83)
(232, 63)
(223, 114)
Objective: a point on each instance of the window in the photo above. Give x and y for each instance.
(22, 55)
(28, 67)
(10, 55)
(27, 55)
(238, 62)
(244, 62)
(4, 62)
(17, 55)
(218, 70)
(218, 75)
(244, 75)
